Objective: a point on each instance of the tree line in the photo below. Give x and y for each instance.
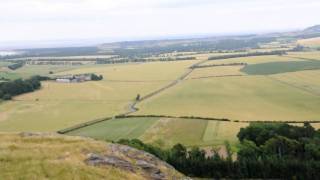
(216, 65)
(266, 151)
(95, 77)
(16, 65)
(20, 86)
(229, 56)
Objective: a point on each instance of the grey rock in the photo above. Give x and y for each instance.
(97, 160)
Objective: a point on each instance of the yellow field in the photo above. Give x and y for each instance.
(191, 132)
(308, 81)
(57, 106)
(215, 72)
(155, 71)
(205, 56)
(252, 60)
(217, 132)
(312, 42)
(251, 98)
(314, 55)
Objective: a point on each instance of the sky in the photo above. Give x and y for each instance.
(26, 21)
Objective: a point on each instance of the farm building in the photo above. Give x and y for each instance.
(74, 78)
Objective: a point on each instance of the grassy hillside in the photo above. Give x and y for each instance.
(50, 156)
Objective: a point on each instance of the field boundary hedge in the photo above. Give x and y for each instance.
(82, 125)
(125, 116)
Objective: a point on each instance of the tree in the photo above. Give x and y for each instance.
(94, 77)
(7, 97)
(138, 97)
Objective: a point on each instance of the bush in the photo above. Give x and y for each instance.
(94, 77)
(7, 97)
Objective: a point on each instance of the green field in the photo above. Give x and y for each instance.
(113, 130)
(164, 131)
(280, 67)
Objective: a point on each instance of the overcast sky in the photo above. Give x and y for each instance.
(38, 20)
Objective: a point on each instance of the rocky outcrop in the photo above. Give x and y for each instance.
(77, 158)
(133, 160)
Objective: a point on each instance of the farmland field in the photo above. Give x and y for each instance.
(164, 131)
(312, 42)
(314, 55)
(49, 109)
(216, 92)
(216, 72)
(116, 129)
(251, 60)
(251, 98)
(280, 67)
(32, 70)
(305, 80)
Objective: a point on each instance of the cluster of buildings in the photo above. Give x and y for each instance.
(74, 78)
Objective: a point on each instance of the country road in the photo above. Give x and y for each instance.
(132, 106)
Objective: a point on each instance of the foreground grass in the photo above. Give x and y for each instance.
(53, 157)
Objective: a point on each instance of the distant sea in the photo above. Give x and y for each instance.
(8, 53)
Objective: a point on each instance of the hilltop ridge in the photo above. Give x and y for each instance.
(53, 156)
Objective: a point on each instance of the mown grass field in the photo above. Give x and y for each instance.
(280, 67)
(116, 129)
(51, 156)
(164, 132)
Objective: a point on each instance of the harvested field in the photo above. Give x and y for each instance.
(248, 98)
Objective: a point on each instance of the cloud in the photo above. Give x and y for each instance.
(59, 19)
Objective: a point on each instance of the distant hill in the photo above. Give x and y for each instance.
(146, 48)
(313, 29)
